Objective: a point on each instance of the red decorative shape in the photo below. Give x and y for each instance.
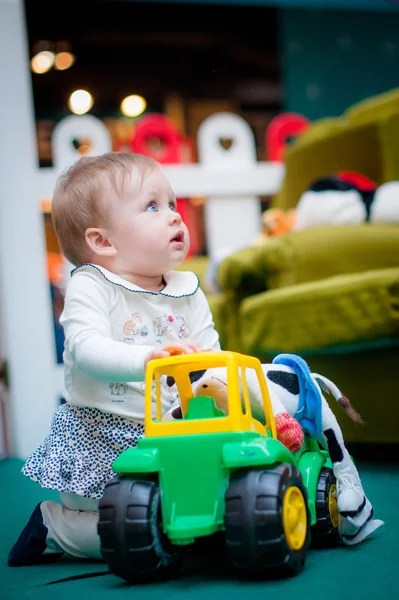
(363, 183)
(279, 130)
(158, 126)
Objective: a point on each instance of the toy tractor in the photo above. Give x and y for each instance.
(214, 472)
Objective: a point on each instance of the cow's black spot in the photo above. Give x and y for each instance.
(331, 183)
(195, 375)
(334, 448)
(177, 413)
(289, 381)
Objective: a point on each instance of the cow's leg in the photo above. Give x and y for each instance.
(354, 508)
(351, 498)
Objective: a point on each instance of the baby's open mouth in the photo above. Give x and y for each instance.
(178, 237)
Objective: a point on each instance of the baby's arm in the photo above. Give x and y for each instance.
(87, 328)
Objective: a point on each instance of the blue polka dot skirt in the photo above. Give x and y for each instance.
(78, 453)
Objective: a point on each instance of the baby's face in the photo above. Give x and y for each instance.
(148, 233)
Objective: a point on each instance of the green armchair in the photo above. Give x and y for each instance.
(330, 294)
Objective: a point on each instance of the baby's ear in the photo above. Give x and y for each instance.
(98, 241)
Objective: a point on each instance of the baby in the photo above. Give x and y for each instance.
(115, 218)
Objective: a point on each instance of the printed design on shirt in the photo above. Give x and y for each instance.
(167, 392)
(135, 327)
(118, 389)
(162, 325)
(182, 327)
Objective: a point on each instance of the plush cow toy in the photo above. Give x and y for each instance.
(299, 406)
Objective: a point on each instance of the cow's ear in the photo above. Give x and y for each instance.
(196, 375)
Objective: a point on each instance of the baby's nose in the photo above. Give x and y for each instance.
(175, 218)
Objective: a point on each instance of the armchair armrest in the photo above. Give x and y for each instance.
(310, 255)
(247, 271)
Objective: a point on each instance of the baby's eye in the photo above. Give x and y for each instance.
(172, 206)
(152, 207)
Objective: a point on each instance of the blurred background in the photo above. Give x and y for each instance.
(316, 81)
(185, 60)
(188, 60)
(123, 61)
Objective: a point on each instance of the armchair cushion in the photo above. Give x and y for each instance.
(350, 310)
(309, 255)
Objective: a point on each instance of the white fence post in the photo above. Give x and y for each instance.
(65, 154)
(232, 222)
(78, 127)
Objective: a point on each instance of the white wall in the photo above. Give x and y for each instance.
(25, 301)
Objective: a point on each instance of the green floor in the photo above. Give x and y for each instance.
(366, 571)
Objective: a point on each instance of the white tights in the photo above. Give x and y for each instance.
(72, 526)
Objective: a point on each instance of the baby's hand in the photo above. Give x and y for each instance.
(184, 347)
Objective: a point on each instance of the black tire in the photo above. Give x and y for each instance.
(132, 544)
(255, 531)
(325, 530)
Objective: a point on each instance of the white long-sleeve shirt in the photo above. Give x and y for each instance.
(110, 325)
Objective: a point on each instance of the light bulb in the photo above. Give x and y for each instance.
(80, 102)
(133, 106)
(64, 60)
(42, 62)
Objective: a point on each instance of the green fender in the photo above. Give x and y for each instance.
(137, 460)
(310, 464)
(257, 452)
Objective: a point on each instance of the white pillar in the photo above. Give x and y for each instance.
(26, 317)
(232, 221)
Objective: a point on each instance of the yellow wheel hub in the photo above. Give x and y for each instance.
(333, 506)
(295, 518)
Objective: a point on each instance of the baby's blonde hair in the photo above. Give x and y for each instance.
(75, 204)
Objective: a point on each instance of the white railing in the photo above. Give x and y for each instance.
(231, 180)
